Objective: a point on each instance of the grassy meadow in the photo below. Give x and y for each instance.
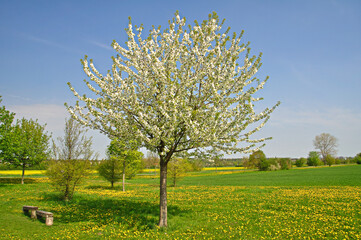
(310, 203)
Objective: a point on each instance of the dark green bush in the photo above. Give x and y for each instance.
(314, 159)
(358, 159)
(301, 162)
(264, 164)
(329, 160)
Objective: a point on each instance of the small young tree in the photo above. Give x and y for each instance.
(329, 160)
(75, 144)
(177, 168)
(314, 159)
(71, 159)
(66, 174)
(111, 170)
(25, 144)
(128, 155)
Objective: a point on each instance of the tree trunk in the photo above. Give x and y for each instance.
(163, 194)
(23, 174)
(124, 176)
(66, 194)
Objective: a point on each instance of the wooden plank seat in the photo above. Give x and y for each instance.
(32, 209)
(47, 215)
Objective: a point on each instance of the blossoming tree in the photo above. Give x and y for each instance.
(177, 91)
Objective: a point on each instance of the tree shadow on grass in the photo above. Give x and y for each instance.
(127, 212)
(15, 180)
(97, 187)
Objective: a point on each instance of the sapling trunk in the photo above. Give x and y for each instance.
(124, 176)
(23, 174)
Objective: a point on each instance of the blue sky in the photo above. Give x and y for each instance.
(311, 51)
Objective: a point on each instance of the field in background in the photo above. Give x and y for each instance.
(19, 172)
(312, 203)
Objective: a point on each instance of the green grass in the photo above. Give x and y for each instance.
(348, 175)
(313, 203)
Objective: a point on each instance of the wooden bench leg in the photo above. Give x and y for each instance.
(33, 213)
(49, 221)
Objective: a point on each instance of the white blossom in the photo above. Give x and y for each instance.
(178, 90)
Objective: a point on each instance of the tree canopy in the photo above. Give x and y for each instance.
(327, 144)
(6, 120)
(25, 144)
(313, 159)
(124, 159)
(75, 144)
(179, 90)
(71, 157)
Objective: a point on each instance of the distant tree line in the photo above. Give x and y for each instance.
(24, 144)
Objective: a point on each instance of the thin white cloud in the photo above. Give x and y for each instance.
(50, 43)
(102, 45)
(18, 97)
(327, 118)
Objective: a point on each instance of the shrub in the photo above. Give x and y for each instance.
(329, 160)
(196, 165)
(257, 159)
(264, 164)
(111, 170)
(313, 159)
(358, 159)
(250, 163)
(301, 162)
(65, 175)
(275, 167)
(274, 164)
(285, 163)
(177, 168)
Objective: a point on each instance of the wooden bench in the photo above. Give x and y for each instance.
(32, 209)
(48, 217)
